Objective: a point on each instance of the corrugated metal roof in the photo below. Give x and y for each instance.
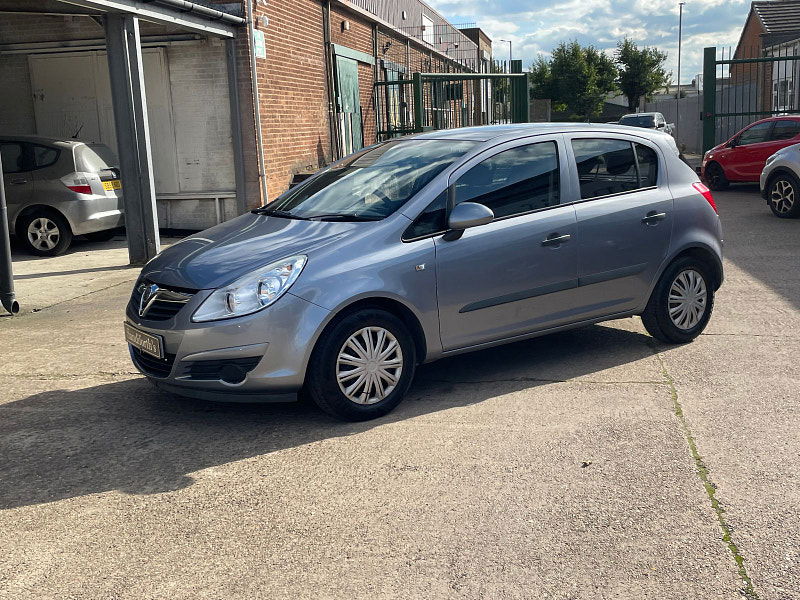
(778, 16)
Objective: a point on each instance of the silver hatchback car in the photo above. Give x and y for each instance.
(56, 189)
(424, 247)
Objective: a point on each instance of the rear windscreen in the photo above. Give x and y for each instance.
(639, 121)
(94, 158)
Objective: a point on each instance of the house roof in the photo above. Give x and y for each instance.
(778, 16)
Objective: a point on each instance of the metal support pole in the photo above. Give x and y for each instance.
(709, 97)
(419, 109)
(236, 127)
(133, 136)
(7, 296)
(678, 95)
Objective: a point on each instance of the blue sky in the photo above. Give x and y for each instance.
(537, 26)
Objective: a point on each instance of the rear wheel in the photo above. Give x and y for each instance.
(362, 366)
(715, 177)
(784, 196)
(45, 233)
(681, 303)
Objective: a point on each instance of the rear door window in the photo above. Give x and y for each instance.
(13, 157)
(611, 166)
(515, 181)
(785, 129)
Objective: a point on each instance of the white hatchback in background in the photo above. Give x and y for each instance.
(59, 188)
(780, 182)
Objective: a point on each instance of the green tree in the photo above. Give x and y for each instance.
(576, 78)
(641, 71)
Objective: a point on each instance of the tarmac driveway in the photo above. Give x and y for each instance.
(590, 464)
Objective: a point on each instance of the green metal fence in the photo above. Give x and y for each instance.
(745, 85)
(430, 101)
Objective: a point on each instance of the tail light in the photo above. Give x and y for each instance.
(706, 193)
(81, 189)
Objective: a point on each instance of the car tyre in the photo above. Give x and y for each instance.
(715, 177)
(783, 196)
(101, 236)
(681, 303)
(45, 233)
(379, 344)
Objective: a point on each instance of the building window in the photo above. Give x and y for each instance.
(427, 30)
(783, 94)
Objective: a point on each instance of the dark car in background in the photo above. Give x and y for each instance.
(742, 158)
(647, 120)
(56, 189)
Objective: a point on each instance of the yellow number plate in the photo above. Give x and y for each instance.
(114, 184)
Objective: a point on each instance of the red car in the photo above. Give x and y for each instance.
(742, 158)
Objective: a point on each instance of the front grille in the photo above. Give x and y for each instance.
(232, 370)
(163, 304)
(150, 365)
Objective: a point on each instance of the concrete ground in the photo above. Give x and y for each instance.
(591, 464)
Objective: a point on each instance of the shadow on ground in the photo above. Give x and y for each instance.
(127, 436)
(759, 243)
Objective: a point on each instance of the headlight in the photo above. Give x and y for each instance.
(772, 158)
(252, 292)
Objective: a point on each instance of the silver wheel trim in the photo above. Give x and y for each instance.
(782, 196)
(369, 365)
(43, 234)
(688, 299)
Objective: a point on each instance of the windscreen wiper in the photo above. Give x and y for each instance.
(340, 217)
(276, 212)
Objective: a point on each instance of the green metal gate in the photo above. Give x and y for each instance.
(429, 101)
(762, 82)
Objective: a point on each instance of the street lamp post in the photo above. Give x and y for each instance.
(678, 94)
(509, 52)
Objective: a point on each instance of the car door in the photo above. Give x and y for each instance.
(16, 175)
(751, 148)
(624, 220)
(519, 272)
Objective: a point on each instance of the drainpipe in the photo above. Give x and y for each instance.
(332, 113)
(7, 296)
(262, 170)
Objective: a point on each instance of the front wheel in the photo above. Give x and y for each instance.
(362, 366)
(681, 303)
(784, 196)
(715, 177)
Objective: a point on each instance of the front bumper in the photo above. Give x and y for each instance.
(270, 349)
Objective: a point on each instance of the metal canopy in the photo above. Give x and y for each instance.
(158, 13)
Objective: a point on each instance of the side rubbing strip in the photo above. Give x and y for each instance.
(523, 295)
(612, 274)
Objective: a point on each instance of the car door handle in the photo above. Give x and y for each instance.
(555, 239)
(17, 181)
(654, 217)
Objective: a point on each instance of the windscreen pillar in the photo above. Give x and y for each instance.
(133, 136)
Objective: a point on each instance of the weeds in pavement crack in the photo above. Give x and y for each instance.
(711, 490)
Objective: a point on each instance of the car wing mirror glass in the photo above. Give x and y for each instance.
(469, 214)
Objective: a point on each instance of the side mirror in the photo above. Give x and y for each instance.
(733, 143)
(661, 126)
(469, 214)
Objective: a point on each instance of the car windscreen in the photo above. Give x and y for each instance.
(371, 184)
(94, 157)
(639, 121)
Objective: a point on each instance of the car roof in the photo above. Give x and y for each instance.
(485, 133)
(641, 114)
(37, 139)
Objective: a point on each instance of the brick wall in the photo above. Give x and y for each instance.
(293, 94)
